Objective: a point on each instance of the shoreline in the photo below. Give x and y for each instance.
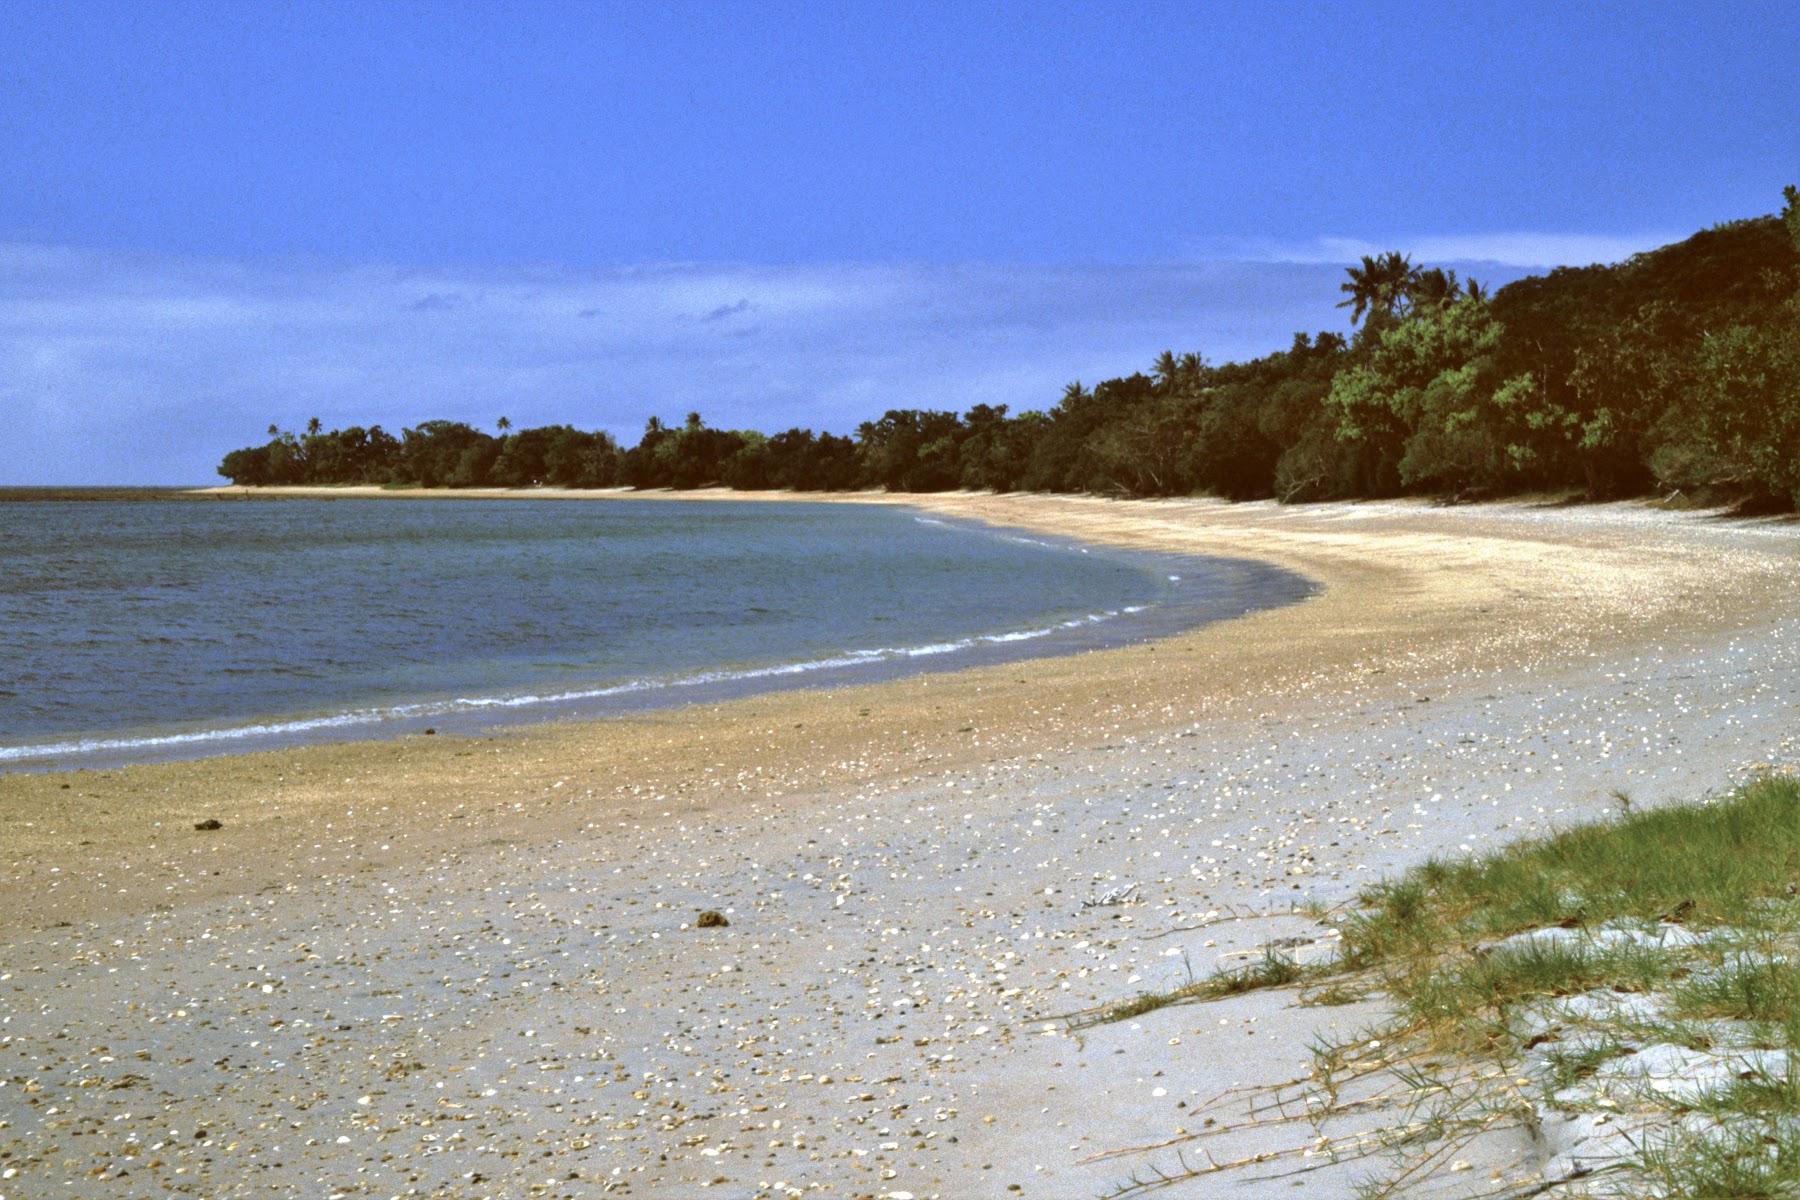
(504, 925)
(1179, 593)
(1468, 589)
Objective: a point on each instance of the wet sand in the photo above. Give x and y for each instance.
(467, 966)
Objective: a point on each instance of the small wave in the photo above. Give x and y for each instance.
(1024, 635)
(354, 718)
(999, 536)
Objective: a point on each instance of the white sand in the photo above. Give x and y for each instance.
(467, 968)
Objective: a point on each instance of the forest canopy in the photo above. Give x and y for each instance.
(1677, 370)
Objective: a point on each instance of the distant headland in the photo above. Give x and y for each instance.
(1676, 372)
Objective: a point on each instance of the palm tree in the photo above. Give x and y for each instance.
(313, 425)
(1432, 290)
(1378, 285)
(1176, 372)
(1164, 368)
(1188, 369)
(503, 424)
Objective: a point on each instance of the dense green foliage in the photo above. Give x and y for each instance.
(1678, 369)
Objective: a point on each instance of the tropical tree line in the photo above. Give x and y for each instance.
(1677, 370)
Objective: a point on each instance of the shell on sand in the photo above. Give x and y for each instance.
(425, 965)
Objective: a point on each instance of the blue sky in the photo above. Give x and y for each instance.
(217, 215)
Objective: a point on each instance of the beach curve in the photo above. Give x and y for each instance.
(766, 806)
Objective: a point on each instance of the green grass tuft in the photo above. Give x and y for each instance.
(1756, 1160)
(1463, 1005)
(1571, 1065)
(1273, 970)
(1745, 989)
(1434, 941)
(1703, 865)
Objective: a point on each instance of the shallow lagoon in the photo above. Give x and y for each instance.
(136, 630)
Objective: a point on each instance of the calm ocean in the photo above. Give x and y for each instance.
(133, 631)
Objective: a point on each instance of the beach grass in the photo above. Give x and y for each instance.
(1757, 1160)
(1271, 971)
(1435, 938)
(1727, 862)
(1463, 1006)
(1762, 990)
(1429, 935)
(1691, 907)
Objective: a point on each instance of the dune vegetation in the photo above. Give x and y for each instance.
(1627, 992)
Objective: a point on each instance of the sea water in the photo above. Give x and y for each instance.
(136, 630)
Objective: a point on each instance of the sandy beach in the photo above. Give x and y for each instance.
(445, 966)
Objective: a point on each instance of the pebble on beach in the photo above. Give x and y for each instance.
(494, 994)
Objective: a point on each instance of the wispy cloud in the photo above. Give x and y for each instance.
(1516, 249)
(727, 310)
(435, 302)
(129, 368)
